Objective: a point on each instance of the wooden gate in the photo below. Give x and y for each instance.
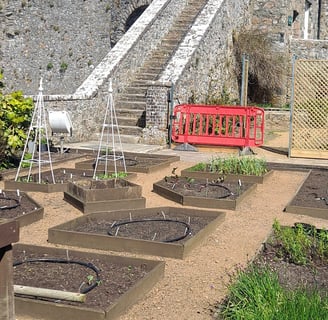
(309, 125)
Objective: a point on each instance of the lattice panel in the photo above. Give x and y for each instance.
(310, 109)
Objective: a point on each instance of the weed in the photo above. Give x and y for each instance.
(63, 67)
(49, 66)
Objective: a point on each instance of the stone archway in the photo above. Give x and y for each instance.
(124, 14)
(134, 16)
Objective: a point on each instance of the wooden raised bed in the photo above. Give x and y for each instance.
(103, 195)
(228, 177)
(134, 162)
(111, 307)
(192, 197)
(202, 223)
(62, 177)
(9, 233)
(311, 198)
(27, 212)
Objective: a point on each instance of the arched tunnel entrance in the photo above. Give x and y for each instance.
(134, 16)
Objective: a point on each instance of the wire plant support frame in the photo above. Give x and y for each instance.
(109, 136)
(37, 136)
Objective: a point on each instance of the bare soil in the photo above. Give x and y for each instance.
(14, 205)
(314, 191)
(193, 286)
(107, 285)
(204, 189)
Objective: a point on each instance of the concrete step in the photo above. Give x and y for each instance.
(145, 76)
(124, 138)
(128, 104)
(130, 130)
(129, 112)
(129, 121)
(137, 90)
(131, 97)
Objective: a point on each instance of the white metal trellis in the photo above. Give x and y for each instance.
(110, 138)
(37, 136)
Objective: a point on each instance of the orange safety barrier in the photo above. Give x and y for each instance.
(218, 125)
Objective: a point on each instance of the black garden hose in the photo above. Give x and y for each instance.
(13, 206)
(65, 261)
(186, 225)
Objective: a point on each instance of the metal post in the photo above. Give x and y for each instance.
(170, 101)
(244, 81)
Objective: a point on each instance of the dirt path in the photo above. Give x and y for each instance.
(192, 286)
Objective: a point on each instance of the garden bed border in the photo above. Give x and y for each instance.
(54, 311)
(61, 234)
(202, 202)
(308, 211)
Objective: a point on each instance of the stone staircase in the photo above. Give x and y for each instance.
(130, 104)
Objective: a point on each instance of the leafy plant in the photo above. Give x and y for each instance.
(118, 175)
(15, 117)
(49, 66)
(63, 67)
(238, 165)
(299, 244)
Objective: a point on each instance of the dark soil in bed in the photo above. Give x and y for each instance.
(114, 279)
(314, 191)
(13, 205)
(164, 228)
(204, 188)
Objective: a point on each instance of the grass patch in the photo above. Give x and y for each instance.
(258, 293)
(234, 165)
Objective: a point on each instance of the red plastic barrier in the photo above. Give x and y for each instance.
(218, 125)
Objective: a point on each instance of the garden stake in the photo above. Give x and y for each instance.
(130, 216)
(154, 237)
(163, 215)
(113, 224)
(117, 231)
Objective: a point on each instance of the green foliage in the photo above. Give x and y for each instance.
(201, 166)
(299, 244)
(63, 67)
(49, 66)
(118, 175)
(257, 294)
(15, 117)
(238, 165)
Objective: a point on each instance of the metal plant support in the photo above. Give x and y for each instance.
(110, 138)
(37, 138)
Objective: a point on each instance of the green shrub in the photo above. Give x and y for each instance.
(15, 117)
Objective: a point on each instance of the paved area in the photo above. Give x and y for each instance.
(273, 150)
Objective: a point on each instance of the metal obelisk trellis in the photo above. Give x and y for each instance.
(37, 136)
(109, 138)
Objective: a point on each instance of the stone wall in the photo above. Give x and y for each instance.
(59, 40)
(68, 43)
(87, 104)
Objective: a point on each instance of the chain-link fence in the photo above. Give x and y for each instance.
(309, 127)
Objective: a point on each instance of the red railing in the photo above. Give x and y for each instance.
(218, 125)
